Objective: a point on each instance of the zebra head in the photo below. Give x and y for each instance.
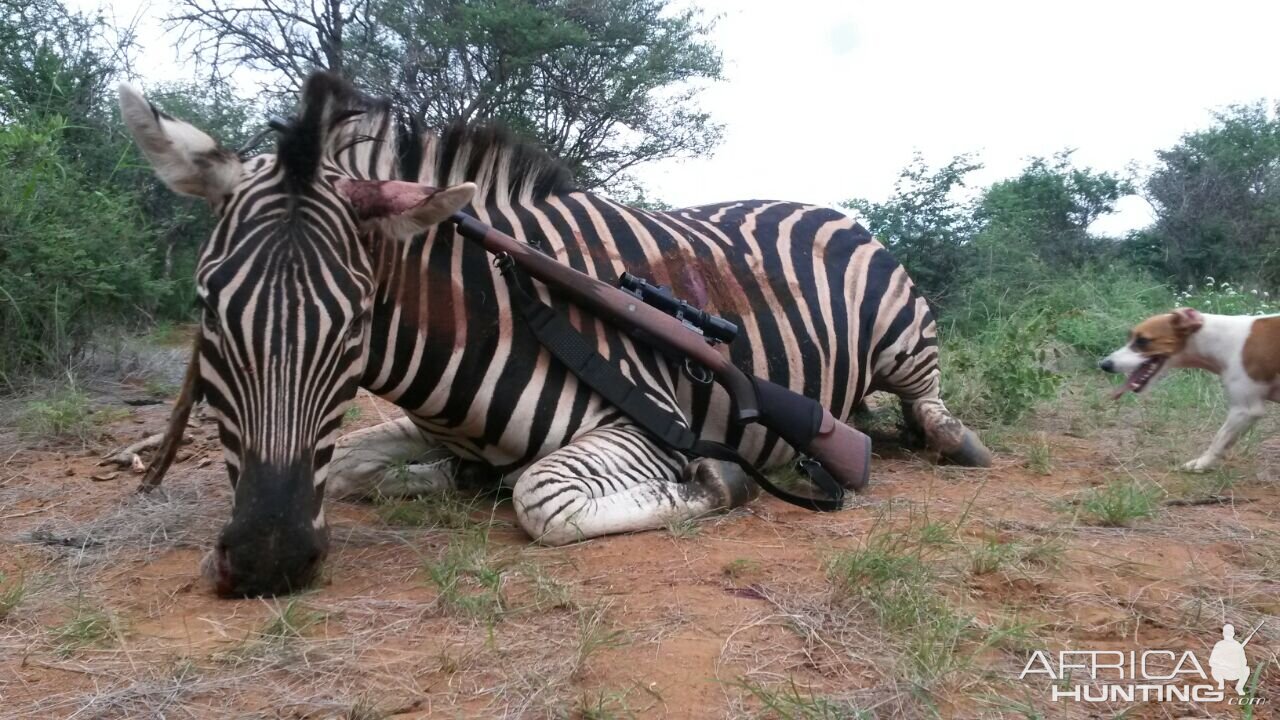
(286, 283)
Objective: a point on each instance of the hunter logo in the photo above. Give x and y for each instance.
(1095, 676)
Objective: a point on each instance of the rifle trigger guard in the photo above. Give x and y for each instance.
(504, 263)
(697, 373)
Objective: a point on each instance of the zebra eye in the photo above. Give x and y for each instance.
(356, 326)
(208, 316)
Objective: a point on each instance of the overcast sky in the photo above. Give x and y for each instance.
(824, 101)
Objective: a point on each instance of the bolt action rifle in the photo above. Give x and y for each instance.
(833, 455)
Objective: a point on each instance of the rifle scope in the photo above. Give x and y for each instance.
(713, 328)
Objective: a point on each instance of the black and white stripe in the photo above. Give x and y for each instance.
(305, 298)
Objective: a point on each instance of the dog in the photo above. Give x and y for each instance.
(1243, 350)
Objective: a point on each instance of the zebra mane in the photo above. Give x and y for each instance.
(359, 133)
(502, 166)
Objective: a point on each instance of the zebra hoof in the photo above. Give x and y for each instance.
(726, 485)
(971, 452)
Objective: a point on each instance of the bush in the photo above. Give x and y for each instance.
(67, 414)
(1225, 299)
(998, 374)
(71, 257)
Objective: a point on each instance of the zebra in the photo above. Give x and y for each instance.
(308, 292)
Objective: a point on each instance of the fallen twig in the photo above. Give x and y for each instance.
(125, 457)
(1208, 500)
(29, 513)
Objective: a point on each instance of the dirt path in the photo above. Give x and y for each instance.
(926, 599)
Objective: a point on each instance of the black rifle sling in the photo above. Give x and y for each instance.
(566, 344)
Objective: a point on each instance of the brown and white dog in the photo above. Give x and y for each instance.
(1243, 350)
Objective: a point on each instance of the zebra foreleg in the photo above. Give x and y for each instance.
(393, 459)
(614, 480)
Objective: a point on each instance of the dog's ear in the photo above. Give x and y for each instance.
(1187, 320)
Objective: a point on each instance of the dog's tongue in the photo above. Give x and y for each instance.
(1130, 384)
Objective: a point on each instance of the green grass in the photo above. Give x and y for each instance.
(1217, 483)
(997, 375)
(789, 701)
(279, 634)
(1120, 503)
(594, 634)
(290, 622)
(990, 556)
(548, 592)
(1045, 553)
(351, 415)
(611, 704)
(889, 575)
(469, 578)
(168, 333)
(88, 626)
(365, 709)
(1040, 455)
(67, 414)
(159, 388)
(446, 510)
(684, 528)
(12, 592)
(738, 568)
(856, 573)
(937, 535)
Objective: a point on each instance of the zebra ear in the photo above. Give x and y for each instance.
(404, 209)
(187, 160)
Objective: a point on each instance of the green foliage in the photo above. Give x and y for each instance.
(290, 622)
(469, 579)
(12, 591)
(925, 225)
(990, 556)
(788, 701)
(71, 257)
(88, 626)
(890, 575)
(603, 85)
(1217, 200)
(1049, 208)
(1001, 372)
(57, 63)
(1120, 503)
(1222, 298)
(446, 509)
(66, 414)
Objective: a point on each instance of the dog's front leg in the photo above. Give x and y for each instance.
(1239, 420)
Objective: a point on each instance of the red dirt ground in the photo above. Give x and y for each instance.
(680, 623)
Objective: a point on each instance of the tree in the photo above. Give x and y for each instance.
(1217, 200)
(1050, 207)
(286, 39)
(604, 85)
(71, 255)
(55, 63)
(925, 224)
